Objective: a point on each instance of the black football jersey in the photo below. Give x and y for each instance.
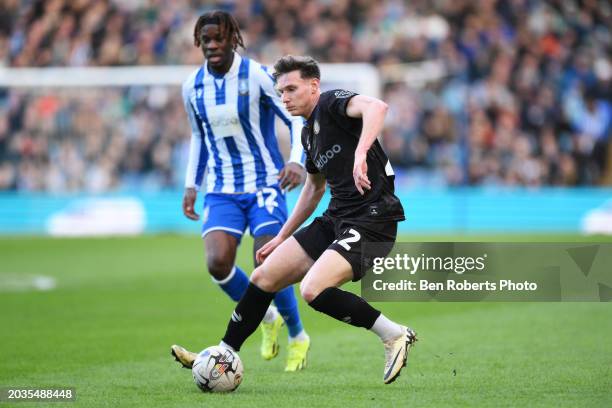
(330, 138)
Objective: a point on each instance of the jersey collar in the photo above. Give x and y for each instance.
(313, 115)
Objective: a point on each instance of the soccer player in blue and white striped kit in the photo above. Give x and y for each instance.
(231, 104)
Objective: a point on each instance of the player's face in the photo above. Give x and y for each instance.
(218, 50)
(298, 94)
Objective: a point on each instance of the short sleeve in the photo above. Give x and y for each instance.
(338, 101)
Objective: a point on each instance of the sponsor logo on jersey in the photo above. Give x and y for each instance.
(343, 94)
(316, 127)
(224, 121)
(327, 156)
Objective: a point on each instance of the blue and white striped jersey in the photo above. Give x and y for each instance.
(232, 128)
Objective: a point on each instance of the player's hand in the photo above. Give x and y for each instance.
(267, 249)
(189, 200)
(360, 173)
(291, 176)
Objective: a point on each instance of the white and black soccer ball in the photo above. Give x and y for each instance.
(217, 369)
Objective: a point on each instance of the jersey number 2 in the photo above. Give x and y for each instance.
(344, 243)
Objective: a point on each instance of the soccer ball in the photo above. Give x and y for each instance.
(217, 369)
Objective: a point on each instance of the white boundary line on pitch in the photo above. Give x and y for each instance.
(14, 282)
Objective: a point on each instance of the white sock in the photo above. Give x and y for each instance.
(386, 329)
(227, 346)
(301, 336)
(271, 315)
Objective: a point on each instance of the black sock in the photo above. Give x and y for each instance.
(246, 317)
(346, 307)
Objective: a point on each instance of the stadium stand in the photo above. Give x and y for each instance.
(525, 98)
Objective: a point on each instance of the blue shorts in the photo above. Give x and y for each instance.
(264, 211)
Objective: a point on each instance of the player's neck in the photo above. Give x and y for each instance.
(313, 106)
(222, 70)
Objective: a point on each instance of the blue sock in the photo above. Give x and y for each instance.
(235, 284)
(286, 303)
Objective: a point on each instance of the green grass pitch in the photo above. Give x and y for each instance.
(106, 330)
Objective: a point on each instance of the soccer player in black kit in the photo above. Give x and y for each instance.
(340, 142)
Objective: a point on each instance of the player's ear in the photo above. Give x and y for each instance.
(314, 85)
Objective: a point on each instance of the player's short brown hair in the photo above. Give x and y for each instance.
(308, 66)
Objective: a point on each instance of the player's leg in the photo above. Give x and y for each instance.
(285, 300)
(320, 289)
(286, 311)
(285, 266)
(272, 322)
(223, 225)
(299, 341)
(336, 266)
(225, 219)
(265, 219)
(267, 214)
(220, 250)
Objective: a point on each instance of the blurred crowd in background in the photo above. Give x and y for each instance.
(525, 97)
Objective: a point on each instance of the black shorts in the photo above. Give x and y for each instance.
(347, 238)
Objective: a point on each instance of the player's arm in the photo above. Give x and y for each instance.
(307, 202)
(293, 174)
(372, 111)
(196, 164)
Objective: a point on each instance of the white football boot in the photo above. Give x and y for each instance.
(396, 354)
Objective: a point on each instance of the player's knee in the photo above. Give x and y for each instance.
(262, 280)
(219, 266)
(309, 291)
(257, 276)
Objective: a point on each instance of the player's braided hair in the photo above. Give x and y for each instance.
(227, 25)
